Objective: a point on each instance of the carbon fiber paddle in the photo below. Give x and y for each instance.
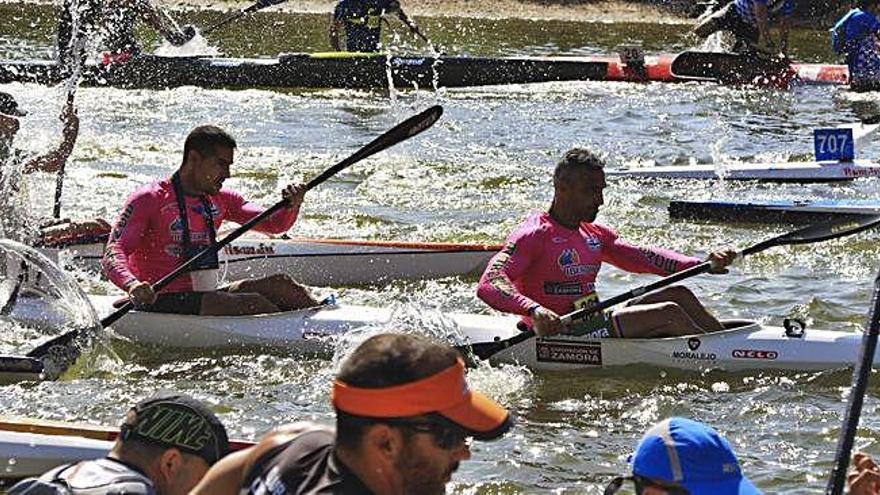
(818, 232)
(401, 132)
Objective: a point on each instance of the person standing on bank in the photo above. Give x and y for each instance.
(361, 22)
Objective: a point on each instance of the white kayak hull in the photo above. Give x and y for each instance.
(325, 262)
(776, 172)
(744, 346)
(24, 455)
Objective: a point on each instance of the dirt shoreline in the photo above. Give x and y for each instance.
(594, 11)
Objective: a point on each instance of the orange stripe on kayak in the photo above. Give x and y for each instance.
(61, 428)
(657, 68)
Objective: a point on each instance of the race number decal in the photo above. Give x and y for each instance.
(587, 301)
(834, 144)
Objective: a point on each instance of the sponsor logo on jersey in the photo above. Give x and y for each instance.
(754, 354)
(569, 261)
(660, 261)
(559, 240)
(569, 257)
(123, 221)
(569, 352)
(563, 288)
(593, 243)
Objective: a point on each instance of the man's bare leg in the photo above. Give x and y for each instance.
(664, 319)
(281, 290)
(684, 298)
(225, 304)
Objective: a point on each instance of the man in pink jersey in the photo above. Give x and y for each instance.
(550, 263)
(167, 222)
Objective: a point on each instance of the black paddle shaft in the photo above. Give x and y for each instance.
(812, 233)
(402, 131)
(860, 377)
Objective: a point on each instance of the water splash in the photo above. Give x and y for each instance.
(198, 46)
(37, 297)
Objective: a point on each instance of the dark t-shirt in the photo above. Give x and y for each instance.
(362, 22)
(307, 465)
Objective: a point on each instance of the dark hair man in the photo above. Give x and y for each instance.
(403, 415)
(165, 223)
(550, 263)
(165, 445)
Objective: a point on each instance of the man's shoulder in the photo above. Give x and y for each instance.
(156, 190)
(534, 226)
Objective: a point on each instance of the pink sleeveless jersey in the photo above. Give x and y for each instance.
(146, 242)
(545, 263)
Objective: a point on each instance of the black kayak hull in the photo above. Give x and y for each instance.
(310, 71)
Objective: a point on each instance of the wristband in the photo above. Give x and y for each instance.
(531, 310)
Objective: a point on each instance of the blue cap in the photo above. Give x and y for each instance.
(692, 455)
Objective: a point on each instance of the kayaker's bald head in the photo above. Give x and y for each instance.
(575, 162)
(578, 182)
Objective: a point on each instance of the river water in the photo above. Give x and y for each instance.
(473, 177)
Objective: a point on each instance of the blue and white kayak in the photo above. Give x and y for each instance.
(816, 171)
(794, 212)
(835, 150)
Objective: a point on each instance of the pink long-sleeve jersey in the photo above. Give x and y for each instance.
(544, 263)
(146, 242)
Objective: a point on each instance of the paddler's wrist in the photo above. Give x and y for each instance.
(532, 309)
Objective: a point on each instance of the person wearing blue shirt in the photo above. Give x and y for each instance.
(855, 35)
(749, 21)
(361, 21)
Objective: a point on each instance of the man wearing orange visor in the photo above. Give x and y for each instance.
(404, 412)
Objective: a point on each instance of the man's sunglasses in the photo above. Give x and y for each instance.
(446, 434)
(641, 483)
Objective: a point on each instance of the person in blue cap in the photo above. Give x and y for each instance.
(679, 456)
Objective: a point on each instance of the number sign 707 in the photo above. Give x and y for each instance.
(833, 144)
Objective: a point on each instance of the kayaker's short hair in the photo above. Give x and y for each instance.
(383, 361)
(206, 139)
(576, 159)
